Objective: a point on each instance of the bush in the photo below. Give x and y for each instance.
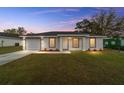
(122, 47)
(57, 49)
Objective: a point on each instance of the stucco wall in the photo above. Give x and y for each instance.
(87, 44)
(83, 43)
(67, 43)
(71, 46)
(45, 44)
(9, 41)
(99, 43)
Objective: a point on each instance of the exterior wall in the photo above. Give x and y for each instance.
(83, 43)
(23, 42)
(87, 46)
(99, 44)
(9, 41)
(61, 43)
(58, 43)
(45, 44)
(71, 46)
(67, 43)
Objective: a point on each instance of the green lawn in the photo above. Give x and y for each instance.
(4, 50)
(105, 67)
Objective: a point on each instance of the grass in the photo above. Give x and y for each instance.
(4, 50)
(106, 67)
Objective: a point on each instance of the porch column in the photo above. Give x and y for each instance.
(84, 44)
(81, 43)
(60, 47)
(23, 43)
(69, 43)
(42, 44)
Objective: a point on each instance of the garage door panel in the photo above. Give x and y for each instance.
(32, 44)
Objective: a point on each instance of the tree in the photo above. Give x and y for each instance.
(12, 31)
(103, 23)
(83, 26)
(21, 31)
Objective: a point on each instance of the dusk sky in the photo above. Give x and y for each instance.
(39, 20)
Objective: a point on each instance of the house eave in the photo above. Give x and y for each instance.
(71, 35)
(97, 36)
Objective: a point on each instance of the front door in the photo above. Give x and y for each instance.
(65, 43)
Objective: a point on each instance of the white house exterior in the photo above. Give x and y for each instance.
(9, 40)
(62, 41)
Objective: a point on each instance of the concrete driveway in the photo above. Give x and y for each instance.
(6, 58)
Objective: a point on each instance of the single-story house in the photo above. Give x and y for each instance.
(62, 41)
(9, 39)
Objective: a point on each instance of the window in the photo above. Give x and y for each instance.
(106, 43)
(92, 42)
(75, 42)
(122, 42)
(113, 42)
(52, 42)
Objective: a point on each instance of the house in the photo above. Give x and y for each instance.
(7, 39)
(114, 43)
(62, 41)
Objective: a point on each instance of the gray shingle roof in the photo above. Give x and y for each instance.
(54, 33)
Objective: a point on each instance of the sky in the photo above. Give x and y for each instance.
(43, 19)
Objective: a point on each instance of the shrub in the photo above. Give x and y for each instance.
(50, 50)
(45, 49)
(95, 49)
(57, 49)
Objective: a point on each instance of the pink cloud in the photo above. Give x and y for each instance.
(7, 25)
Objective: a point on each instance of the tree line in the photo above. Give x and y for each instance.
(106, 23)
(19, 31)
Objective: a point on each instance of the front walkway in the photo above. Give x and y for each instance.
(6, 58)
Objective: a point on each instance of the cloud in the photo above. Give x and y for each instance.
(73, 9)
(47, 11)
(69, 25)
(6, 25)
(74, 20)
(31, 28)
(56, 11)
(103, 8)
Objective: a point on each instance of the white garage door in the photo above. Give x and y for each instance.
(33, 44)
